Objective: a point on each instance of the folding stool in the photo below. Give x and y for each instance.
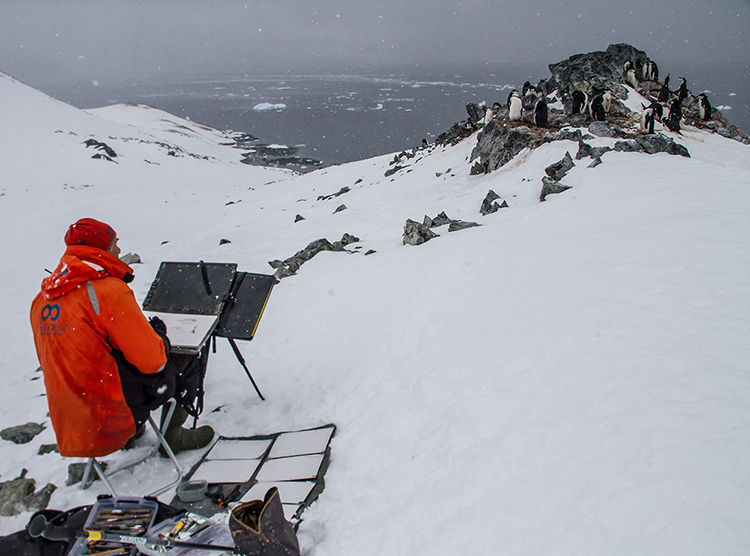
(169, 407)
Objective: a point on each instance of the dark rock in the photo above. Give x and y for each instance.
(440, 220)
(578, 120)
(76, 471)
(597, 69)
(262, 154)
(416, 233)
(47, 449)
(457, 225)
(488, 205)
(657, 143)
(456, 133)
(224, 241)
(628, 146)
(584, 150)
(370, 252)
(298, 218)
(347, 239)
(290, 266)
(108, 152)
(131, 258)
(595, 162)
(21, 434)
(284, 272)
(565, 135)
(477, 169)
(558, 170)
(17, 496)
(498, 145)
(604, 129)
(339, 208)
(476, 112)
(550, 186)
(390, 171)
(339, 192)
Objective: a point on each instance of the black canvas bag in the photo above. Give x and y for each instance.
(259, 527)
(191, 372)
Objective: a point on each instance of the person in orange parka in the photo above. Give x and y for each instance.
(105, 366)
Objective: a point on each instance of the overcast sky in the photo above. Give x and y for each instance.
(122, 41)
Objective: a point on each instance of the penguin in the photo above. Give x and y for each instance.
(647, 120)
(672, 125)
(704, 107)
(515, 106)
(596, 109)
(640, 70)
(629, 72)
(488, 115)
(652, 71)
(607, 101)
(496, 108)
(540, 113)
(682, 92)
(675, 111)
(527, 88)
(580, 100)
(664, 92)
(675, 115)
(510, 95)
(658, 111)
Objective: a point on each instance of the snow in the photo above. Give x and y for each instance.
(569, 378)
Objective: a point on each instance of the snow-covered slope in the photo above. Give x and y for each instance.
(569, 378)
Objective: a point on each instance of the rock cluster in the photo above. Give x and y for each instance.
(417, 234)
(105, 151)
(490, 205)
(290, 266)
(261, 154)
(18, 495)
(555, 172)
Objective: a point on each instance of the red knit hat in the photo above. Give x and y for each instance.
(88, 231)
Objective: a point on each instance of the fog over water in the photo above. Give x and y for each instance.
(209, 61)
(340, 118)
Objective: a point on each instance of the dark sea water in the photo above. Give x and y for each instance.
(341, 118)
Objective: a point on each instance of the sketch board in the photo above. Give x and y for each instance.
(180, 287)
(245, 305)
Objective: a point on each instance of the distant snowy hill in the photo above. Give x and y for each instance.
(569, 377)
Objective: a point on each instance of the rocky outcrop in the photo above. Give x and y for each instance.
(558, 170)
(18, 495)
(550, 186)
(290, 266)
(416, 233)
(21, 434)
(500, 141)
(490, 205)
(600, 70)
(262, 154)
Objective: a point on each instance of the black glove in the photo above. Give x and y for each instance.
(158, 325)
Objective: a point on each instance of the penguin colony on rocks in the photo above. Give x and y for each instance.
(531, 104)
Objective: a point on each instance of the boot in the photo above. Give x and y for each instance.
(180, 438)
(130, 444)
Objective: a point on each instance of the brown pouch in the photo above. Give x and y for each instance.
(259, 527)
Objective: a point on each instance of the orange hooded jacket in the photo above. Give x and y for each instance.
(84, 315)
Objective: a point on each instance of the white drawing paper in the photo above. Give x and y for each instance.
(301, 442)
